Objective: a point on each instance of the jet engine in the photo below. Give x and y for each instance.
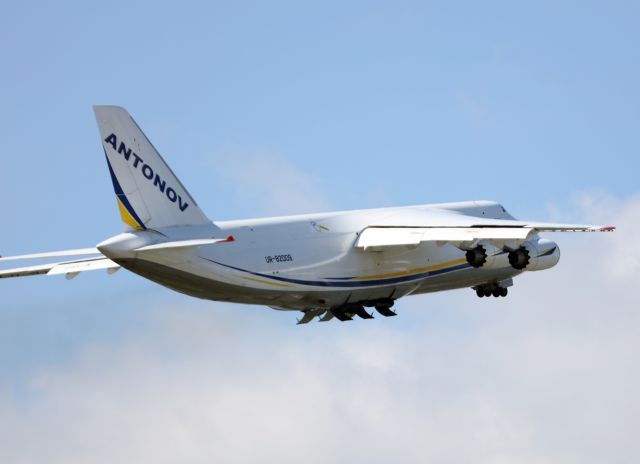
(535, 255)
(487, 256)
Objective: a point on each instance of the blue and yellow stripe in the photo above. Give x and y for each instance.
(127, 213)
(362, 281)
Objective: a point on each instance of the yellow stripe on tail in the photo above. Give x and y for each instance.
(126, 217)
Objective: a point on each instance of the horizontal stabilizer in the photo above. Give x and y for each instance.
(54, 254)
(81, 266)
(184, 243)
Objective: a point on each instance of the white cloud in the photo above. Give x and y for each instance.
(547, 375)
(269, 181)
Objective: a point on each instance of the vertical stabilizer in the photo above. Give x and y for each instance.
(148, 193)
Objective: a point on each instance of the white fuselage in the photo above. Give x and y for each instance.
(326, 265)
(309, 261)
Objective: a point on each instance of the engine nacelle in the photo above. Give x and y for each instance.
(487, 256)
(535, 255)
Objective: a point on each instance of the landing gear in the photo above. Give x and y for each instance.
(385, 309)
(347, 311)
(341, 314)
(362, 313)
(491, 289)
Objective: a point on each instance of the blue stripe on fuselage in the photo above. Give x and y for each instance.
(352, 284)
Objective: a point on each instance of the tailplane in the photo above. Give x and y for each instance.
(148, 193)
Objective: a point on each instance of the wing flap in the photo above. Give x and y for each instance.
(469, 234)
(380, 238)
(374, 237)
(501, 233)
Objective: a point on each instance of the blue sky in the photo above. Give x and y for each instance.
(265, 108)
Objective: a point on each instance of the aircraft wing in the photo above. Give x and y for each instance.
(500, 233)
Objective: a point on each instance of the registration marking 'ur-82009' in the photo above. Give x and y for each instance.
(278, 259)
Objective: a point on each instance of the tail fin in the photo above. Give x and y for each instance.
(149, 194)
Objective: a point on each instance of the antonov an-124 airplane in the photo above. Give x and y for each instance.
(326, 265)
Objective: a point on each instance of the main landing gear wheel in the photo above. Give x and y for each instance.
(488, 290)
